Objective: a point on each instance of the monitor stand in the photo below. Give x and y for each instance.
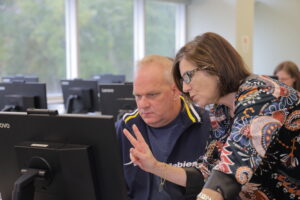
(8, 108)
(70, 103)
(24, 186)
(55, 171)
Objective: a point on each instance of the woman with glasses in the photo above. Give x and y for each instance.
(288, 73)
(254, 148)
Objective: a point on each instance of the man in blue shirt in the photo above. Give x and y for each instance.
(175, 130)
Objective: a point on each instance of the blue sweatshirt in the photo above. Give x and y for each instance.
(189, 132)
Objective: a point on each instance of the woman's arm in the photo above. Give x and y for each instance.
(173, 174)
(190, 178)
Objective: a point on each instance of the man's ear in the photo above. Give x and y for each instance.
(176, 91)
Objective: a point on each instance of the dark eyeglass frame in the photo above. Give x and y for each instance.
(187, 76)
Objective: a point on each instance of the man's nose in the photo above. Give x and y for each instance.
(143, 102)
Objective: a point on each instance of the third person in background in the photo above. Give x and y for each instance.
(288, 73)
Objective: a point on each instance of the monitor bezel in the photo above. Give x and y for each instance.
(17, 127)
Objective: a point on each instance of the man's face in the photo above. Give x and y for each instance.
(155, 96)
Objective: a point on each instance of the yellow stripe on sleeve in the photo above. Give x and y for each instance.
(188, 110)
(130, 117)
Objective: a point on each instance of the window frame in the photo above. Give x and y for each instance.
(72, 39)
(72, 43)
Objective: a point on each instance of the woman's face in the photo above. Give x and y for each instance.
(286, 78)
(203, 88)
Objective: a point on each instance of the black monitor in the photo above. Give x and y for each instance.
(109, 78)
(20, 78)
(80, 96)
(18, 96)
(116, 99)
(59, 157)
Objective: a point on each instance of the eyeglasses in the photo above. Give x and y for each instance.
(187, 76)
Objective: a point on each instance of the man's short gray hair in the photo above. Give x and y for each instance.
(165, 62)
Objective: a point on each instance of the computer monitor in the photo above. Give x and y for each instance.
(116, 99)
(18, 96)
(59, 157)
(80, 96)
(109, 78)
(20, 78)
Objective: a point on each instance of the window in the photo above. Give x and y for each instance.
(106, 37)
(32, 40)
(160, 31)
(32, 37)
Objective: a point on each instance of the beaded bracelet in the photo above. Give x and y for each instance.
(204, 196)
(163, 178)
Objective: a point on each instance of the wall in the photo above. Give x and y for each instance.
(211, 15)
(244, 30)
(276, 35)
(275, 32)
(233, 19)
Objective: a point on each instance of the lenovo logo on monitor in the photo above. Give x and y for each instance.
(4, 125)
(107, 90)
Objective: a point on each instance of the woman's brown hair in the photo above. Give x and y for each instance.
(215, 55)
(292, 69)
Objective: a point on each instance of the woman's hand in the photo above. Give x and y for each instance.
(140, 154)
(251, 191)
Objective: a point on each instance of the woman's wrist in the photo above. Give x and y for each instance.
(208, 194)
(203, 196)
(158, 168)
(169, 173)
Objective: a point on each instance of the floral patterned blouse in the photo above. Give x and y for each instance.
(260, 145)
